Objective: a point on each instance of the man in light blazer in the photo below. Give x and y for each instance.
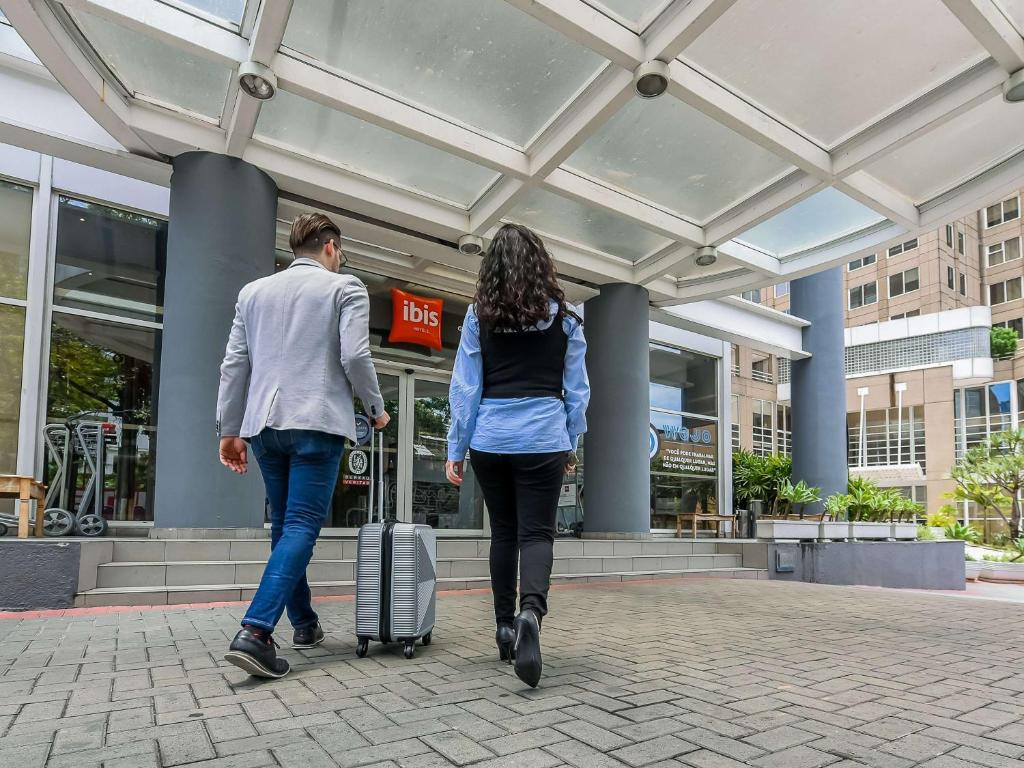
(299, 350)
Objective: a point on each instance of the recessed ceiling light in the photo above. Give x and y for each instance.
(706, 256)
(257, 80)
(1013, 87)
(650, 79)
(471, 245)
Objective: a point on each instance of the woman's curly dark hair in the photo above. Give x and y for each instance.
(518, 282)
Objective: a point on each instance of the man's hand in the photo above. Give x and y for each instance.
(233, 454)
(382, 421)
(454, 471)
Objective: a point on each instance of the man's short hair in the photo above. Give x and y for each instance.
(311, 232)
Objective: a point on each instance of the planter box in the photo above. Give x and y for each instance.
(834, 530)
(1013, 572)
(870, 530)
(904, 531)
(973, 569)
(787, 529)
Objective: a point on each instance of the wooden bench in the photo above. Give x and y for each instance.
(25, 489)
(699, 515)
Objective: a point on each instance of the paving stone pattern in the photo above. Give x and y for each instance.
(697, 674)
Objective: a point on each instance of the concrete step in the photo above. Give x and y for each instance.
(246, 550)
(188, 573)
(231, 592)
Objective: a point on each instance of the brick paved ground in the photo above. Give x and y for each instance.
(705, 674)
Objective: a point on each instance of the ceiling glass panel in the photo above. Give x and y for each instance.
(566, 219)
(149, 67)
(229, 10)
(820, 219)
(635, 14)
(673, 155)
(955, 151)
(320, 131)
(481, 62)
(831, 68)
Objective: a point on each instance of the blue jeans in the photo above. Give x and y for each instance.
(300, 469)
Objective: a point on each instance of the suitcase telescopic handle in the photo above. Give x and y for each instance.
(376, 475)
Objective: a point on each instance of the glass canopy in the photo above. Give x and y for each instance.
(785, 127)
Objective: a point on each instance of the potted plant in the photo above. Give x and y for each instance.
(790, 501)
(904, 514)
(1004, 567)
(835, 524)
(938, 521)
(867, 510)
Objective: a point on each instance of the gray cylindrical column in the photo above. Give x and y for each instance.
(818, 390)
(617, 475)
(220, 236)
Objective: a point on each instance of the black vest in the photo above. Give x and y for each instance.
(524, 363)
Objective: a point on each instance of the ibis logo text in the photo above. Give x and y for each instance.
(412, 312)
(415, 319)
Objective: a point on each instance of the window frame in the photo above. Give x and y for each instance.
(1002, 211)
(991, 250)
(901, 248)
(950, 277)
(861, 287)
(862, 262)
(903, 282)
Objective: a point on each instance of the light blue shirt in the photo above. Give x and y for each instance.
(520, 424)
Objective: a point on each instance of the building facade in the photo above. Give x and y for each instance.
(922, 386)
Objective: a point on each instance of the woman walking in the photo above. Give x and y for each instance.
(518, 399)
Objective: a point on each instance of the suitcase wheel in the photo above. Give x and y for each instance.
(362, 647)
(427, 638)
(410, 649)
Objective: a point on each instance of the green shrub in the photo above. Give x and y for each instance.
(1003, 343)
(944, 518)
(924, 533)
(961, 532)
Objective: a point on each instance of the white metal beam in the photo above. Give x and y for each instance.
(995, 183)
(592, 193)
(880, 197)
(661, 263)
(934, 109)
(588, 27)
(739, 322)
(762, 206)
(267, 34)
(43, 33)
(992, 29)
(722, 105)
(495, 203)
(680, 25)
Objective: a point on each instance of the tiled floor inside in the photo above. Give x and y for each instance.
(700, 673)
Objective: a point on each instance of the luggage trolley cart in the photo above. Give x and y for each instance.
(81, 440)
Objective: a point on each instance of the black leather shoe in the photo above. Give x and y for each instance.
(308, 637)
(528, 663)
(505, 637)
(256, 654)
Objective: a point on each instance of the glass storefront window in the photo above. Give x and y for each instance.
(684, 407)
(109, 260)
(15, 230)
(108, 371)
(435, 501)
(683, 381)
(12, 344)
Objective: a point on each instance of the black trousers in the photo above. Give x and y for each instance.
(521, 491)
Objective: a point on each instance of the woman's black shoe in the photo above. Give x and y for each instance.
(505, 637)
(256, 653)
(528, 664)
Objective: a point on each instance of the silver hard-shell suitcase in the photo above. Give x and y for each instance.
(396, 575)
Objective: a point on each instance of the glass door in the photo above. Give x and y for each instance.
(434, 500)
(350, 506)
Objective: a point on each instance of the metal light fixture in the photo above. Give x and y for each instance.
(257, 80)
(650, 79)
(471, 245)
(706, 256)
(1013, 87)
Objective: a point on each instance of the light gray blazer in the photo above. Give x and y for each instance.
(299, 349)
